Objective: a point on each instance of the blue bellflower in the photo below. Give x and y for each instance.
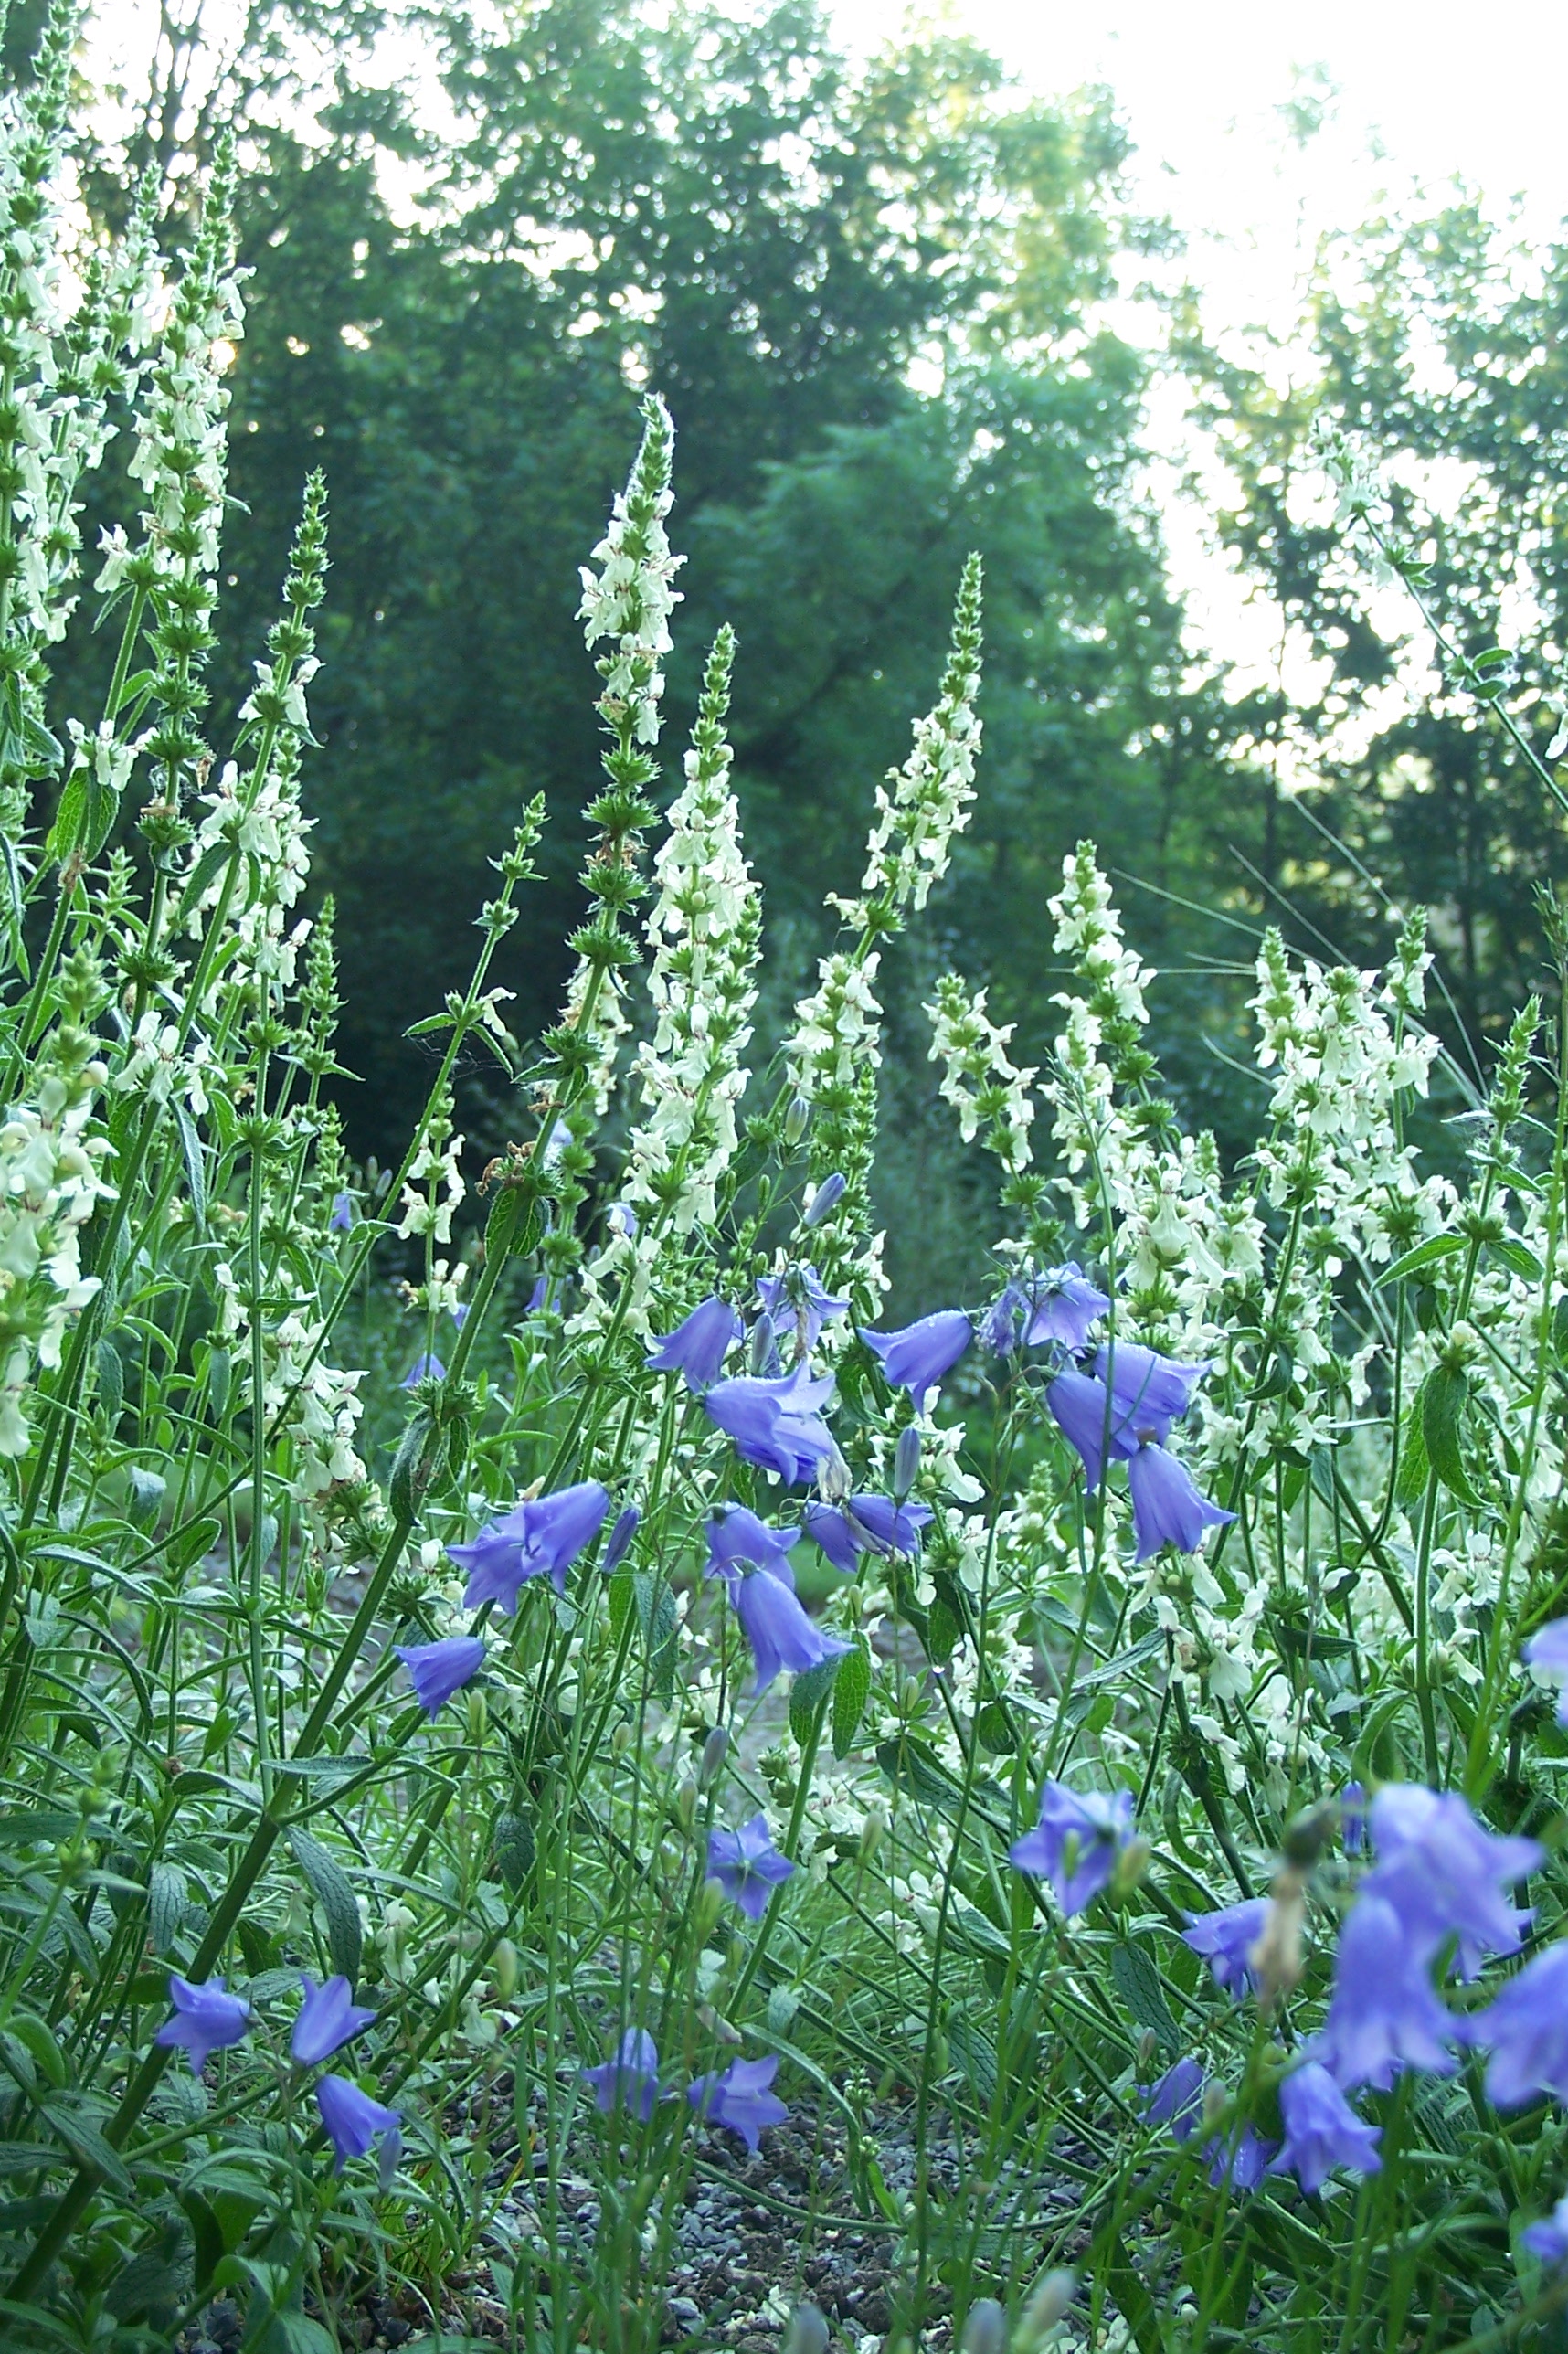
(544, 1536)
(1088, 1419)
(436, 1670)
(1321, 2130)
(1076, 1843)
(1239, 2164)
(797, 1298)
(777, 1425)
(747, 1865)
(1002, 1326)
(326, 2019)
(1063, 1308)
(630, 2081)
(1549, 2239)
(826, 1199)
(738, 1541)
(1383, 2015)
(1226, 1940)
(865, 1525)
(1177, 2099)
(1526, 2030)
(780, 1634)
(350, 2117)
(341, 1217)
(1548, 1650)
(698, 1345)
(1167, 1509)
(205, 2020)
(740, 2099)
(425, 1368)
(1151, 1392)
(1444, 1875)
(917, 1357)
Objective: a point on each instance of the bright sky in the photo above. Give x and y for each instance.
(1424, 89)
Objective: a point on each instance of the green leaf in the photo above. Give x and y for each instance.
(83, 2137)
(195, 1164)
(1415, 1469)
(994, 1729)
(850, 1692)
(167, 1899)
(330, 1886)
(810, 1693)
(1444, 1398)
(40, 2039)
(110, 1381)
(515, 1846)
(656, 1615)
(1518, 1258)
(1430, 1253)
(1137, 1976)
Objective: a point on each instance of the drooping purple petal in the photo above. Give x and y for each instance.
(1226, 1940)
(1446, 1876)
(797, 1303)
(1151, 1392)
(740, 2098)
(1547, 1650)
(1321, 2130)
(1063, 1308)
(1526, 2031)
(748, 1866)
(539, 1538)
(1167, 1509)
(1177, 2099)
(425, 1368)
(1383, 2015)
(207, 2019)
(350, 2117)
(1077, 1842)
(1084, 1413)
(738, 1541)
(777, 1425)
(782, 1637)
(436, 1670)
(698, 1345)
(326, 2019)
(630, 2081)
(917, 1357)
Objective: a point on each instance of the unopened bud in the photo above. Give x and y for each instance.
(1216, 2101)
(686, 1803)
(797, 1119)
(706, 1911)
(825, 1200)
(621, 1538)
(1131, 1866)
(712, 1757)
(760, 1348)
(807, 2333)
(871, 1834)
(1148, 2044)
(833, 1478)
(620, 1739)
(1044, 2309)
(906, 1464)
(1308, 1835)
(478, 1717)
(388, 2160)
(985, 2329)
(505, 1972)
(1276, 1958)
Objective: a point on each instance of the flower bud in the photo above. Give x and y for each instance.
(505, 1972)
(871, 1834)
(712, 1757)
(686, 1803)
(1148, 2044)
(807, 2333)
(797, 1119)
(1131, 1866)
(833, 1478)
(985, 2329)
(389, 2159)
(620, 1739)
(760, 1348)
(825, 1200)
(906, 1464)
(1307, 1837)
(1044, 2309)
(621, 1538)
(706, 1911)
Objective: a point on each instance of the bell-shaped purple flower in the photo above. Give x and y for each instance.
(621, 1538)
(1151, 1390)
(1321, 2130)
(1444, 1875)
(780, 1634)
(425, 1368)
(1002, 1326)
(1240, 2164)
(1549, 2239)
(1354, 1817)
(747, 1865)
(1226, 1940)
(740, 2099)
(326, 2019)
(1167, 1507)
(1063, 1308)
(341, 1217)
(865, 1525)
(436, 1670)
(777, 1425)
(1383, 2015)
(630, 2081)
(350, 2117)
(1526, 2030)
(1547, 1650)
(698, 1345)
(796, 1301)
(544, 1536)
(206, 2020)
(738, 1541)
(1084, 1414)
(1076, 1843)
(917, 1357)
(1177, 2099)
